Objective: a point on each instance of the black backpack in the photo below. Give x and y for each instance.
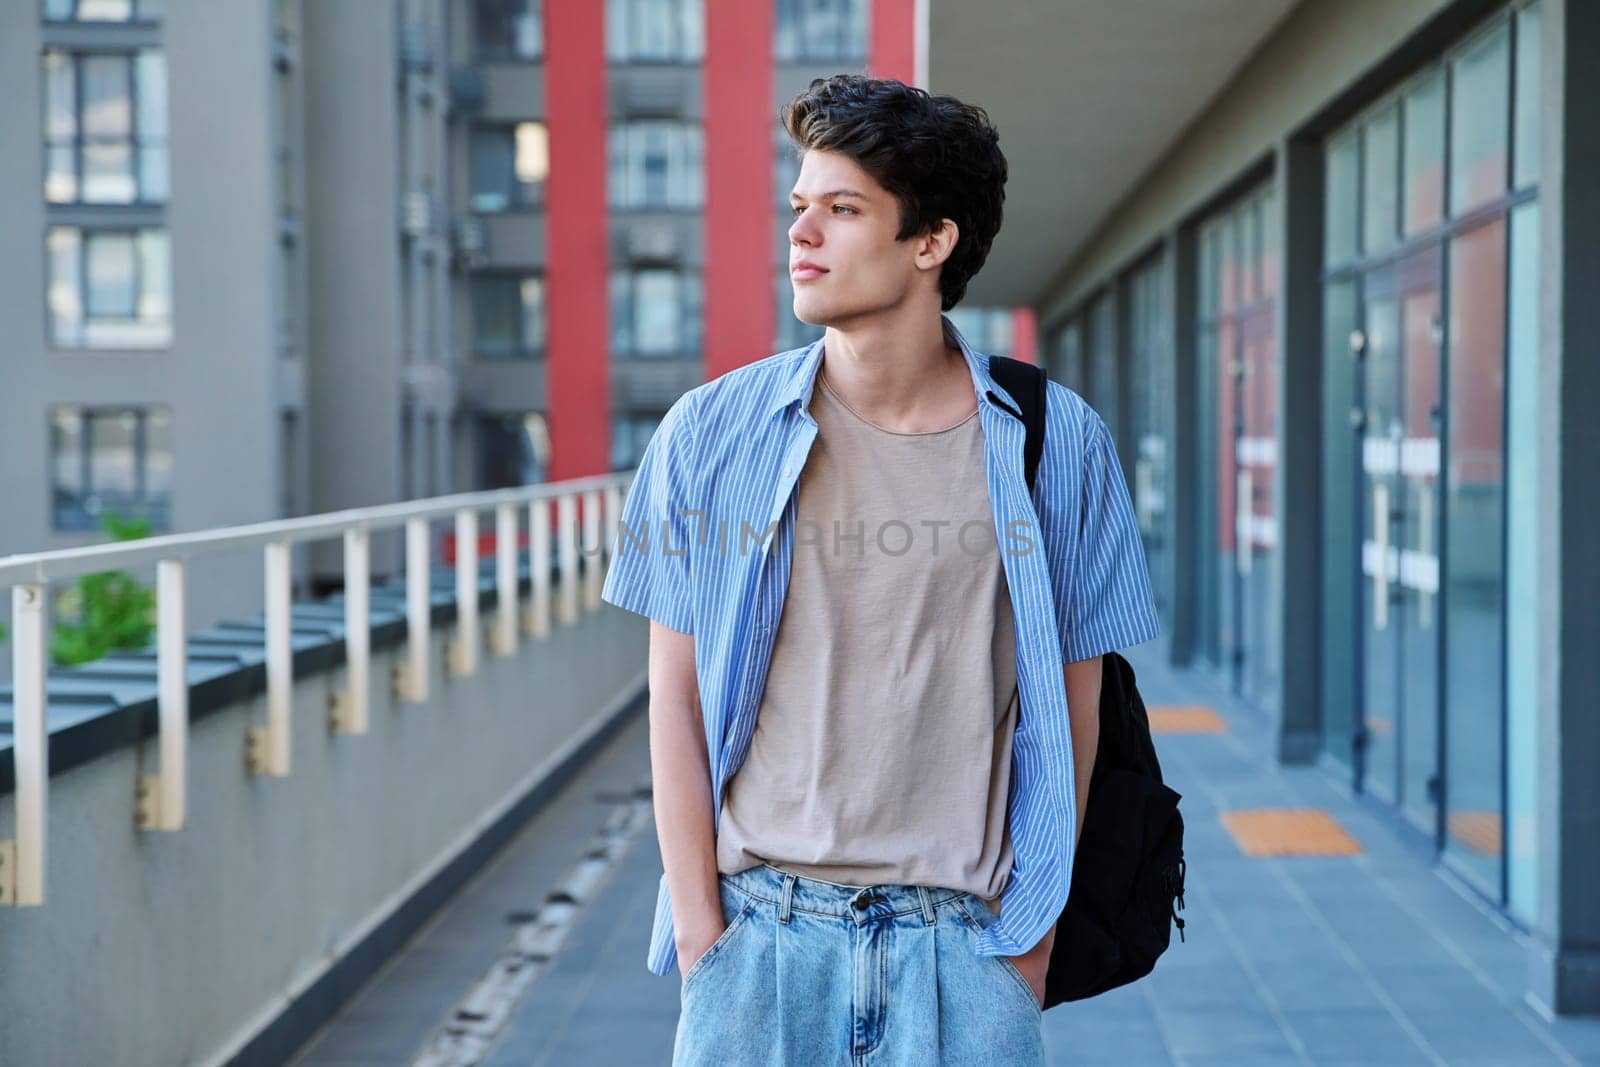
(1128, 871)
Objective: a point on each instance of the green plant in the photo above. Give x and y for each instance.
(113, 611)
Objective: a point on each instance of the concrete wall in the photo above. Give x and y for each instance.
(352, 224)
(166, 948)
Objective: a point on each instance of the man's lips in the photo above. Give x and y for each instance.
(807, 272)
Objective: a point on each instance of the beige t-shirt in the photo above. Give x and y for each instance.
(882, 746)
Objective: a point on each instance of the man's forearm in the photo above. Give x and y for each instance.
(681, 777)
(1083, 711)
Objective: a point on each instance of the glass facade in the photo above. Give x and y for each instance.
(1100, 387)
(1065, 358)
(116, 460)
(1151, 415)
(1239, 584)
(989, 330)
(1430, 272)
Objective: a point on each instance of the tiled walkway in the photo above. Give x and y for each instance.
(1371, 958)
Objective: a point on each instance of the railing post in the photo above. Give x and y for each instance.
(411, 677)
(593, 549)
(349, 711)
(22, 859)
(464, 649)
(537, 624)
(269, 747)
(567, 547)
(505, 576)
(162, 797)
(613, 521)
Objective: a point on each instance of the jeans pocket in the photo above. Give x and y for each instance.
(743, 906)
(978, 916)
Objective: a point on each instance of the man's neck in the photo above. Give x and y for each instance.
(899, 373)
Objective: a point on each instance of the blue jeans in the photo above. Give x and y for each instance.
(811, 972)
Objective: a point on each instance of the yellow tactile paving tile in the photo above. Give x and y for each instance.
(1478, 830)
(1185, 719)
(1289, 832)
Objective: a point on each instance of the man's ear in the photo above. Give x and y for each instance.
(938, 244)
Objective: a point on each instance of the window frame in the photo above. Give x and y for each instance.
(138, 141)
(507, 53)
(625, 165)
(138, 14)
(690, 311)
(81, 281)
(515, 279)
(154, 506)
(524, 196)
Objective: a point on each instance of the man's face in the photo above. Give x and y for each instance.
(845, 222)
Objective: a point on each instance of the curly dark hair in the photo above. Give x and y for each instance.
(939, 157)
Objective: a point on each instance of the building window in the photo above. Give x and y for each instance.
(509, 29)
(115, 460)
(109, 288)
(105, 127)
(656, 164)
(103, 10)
(656, 313)
(629, 435)
(512, 450)
(509, 166)
(663, 31)
(820, 30)
(508, 315)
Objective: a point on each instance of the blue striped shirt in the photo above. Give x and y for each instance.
(705, 544)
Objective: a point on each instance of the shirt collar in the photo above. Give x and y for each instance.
(798, 384)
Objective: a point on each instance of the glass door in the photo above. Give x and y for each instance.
(1398, 484)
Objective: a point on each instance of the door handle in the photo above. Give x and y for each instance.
(1380, 565)
(1244, 550)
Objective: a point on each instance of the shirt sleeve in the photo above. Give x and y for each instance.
(1108, 603)
(650, 572)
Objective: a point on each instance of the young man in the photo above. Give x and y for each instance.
(874, 657)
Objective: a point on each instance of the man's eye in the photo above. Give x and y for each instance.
(847, 208)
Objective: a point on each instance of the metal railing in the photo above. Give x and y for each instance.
(160, 799)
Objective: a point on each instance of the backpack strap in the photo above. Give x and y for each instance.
(1026, 384)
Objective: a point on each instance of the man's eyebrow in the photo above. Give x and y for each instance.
(834, 195)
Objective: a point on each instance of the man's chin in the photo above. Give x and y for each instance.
(815, 312)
